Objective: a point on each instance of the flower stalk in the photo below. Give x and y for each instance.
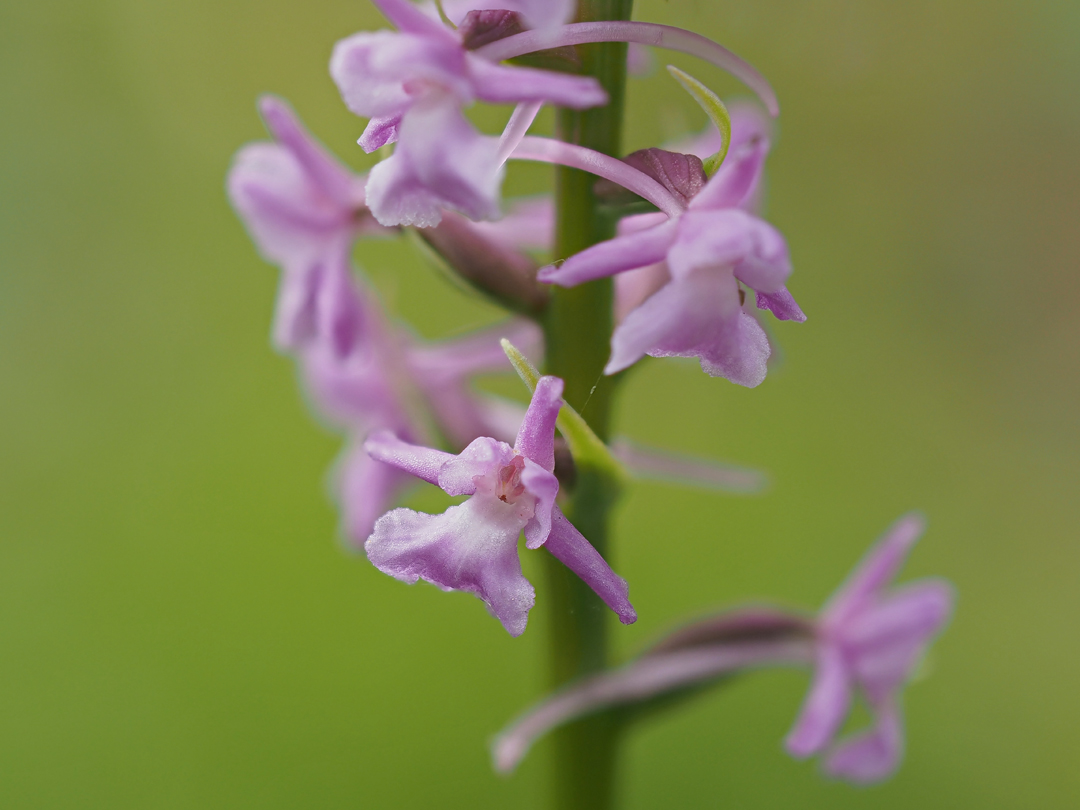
(577, 330)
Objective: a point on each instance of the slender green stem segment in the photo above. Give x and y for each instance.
(577, 330)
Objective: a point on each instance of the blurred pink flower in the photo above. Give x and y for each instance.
(870, 638)
(303, 210)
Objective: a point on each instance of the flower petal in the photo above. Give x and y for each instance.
(872, 755)
(483, 457)
(501, 416)
(295, 308)
(442, 371)
(639, 222)
(544, 486)
(766, 267)
(288, 216)
(675, 311)
(918, 609)
(634, 287)
(340, 309)
(423, 462)
(536, 437)
(340, 361)
(378, 72)
(738, 351)
(379, 132)
(353, 392)
(735, 181)
(462, 414)
(875, 570)
(825, 706)
(781, 305)
(365, 489)
(440, 161)
(637, 249)
(886, 641)
(640, 61)
(731, 237)
(501, 84)
(697, 316)
(407, 16)
(333, 179)
(366, 91)
(458, 550)
(571, 548)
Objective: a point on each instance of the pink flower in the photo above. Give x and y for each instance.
(870, 639)
(472, 547)
(303, 210)
(411, 84)
(691, 269)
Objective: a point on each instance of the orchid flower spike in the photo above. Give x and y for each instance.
(412, 84)
(869, 640)
(472, 547)
(711, 250)
(303, 209)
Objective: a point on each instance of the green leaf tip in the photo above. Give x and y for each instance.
(586, 447)
(714, 108)
(526, 370)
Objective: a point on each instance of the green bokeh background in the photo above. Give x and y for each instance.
(179, 627)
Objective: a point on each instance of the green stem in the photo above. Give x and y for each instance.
(577, 330)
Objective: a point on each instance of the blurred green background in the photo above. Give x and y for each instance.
(179, 627)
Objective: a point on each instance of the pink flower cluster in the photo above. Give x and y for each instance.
(693, 276)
